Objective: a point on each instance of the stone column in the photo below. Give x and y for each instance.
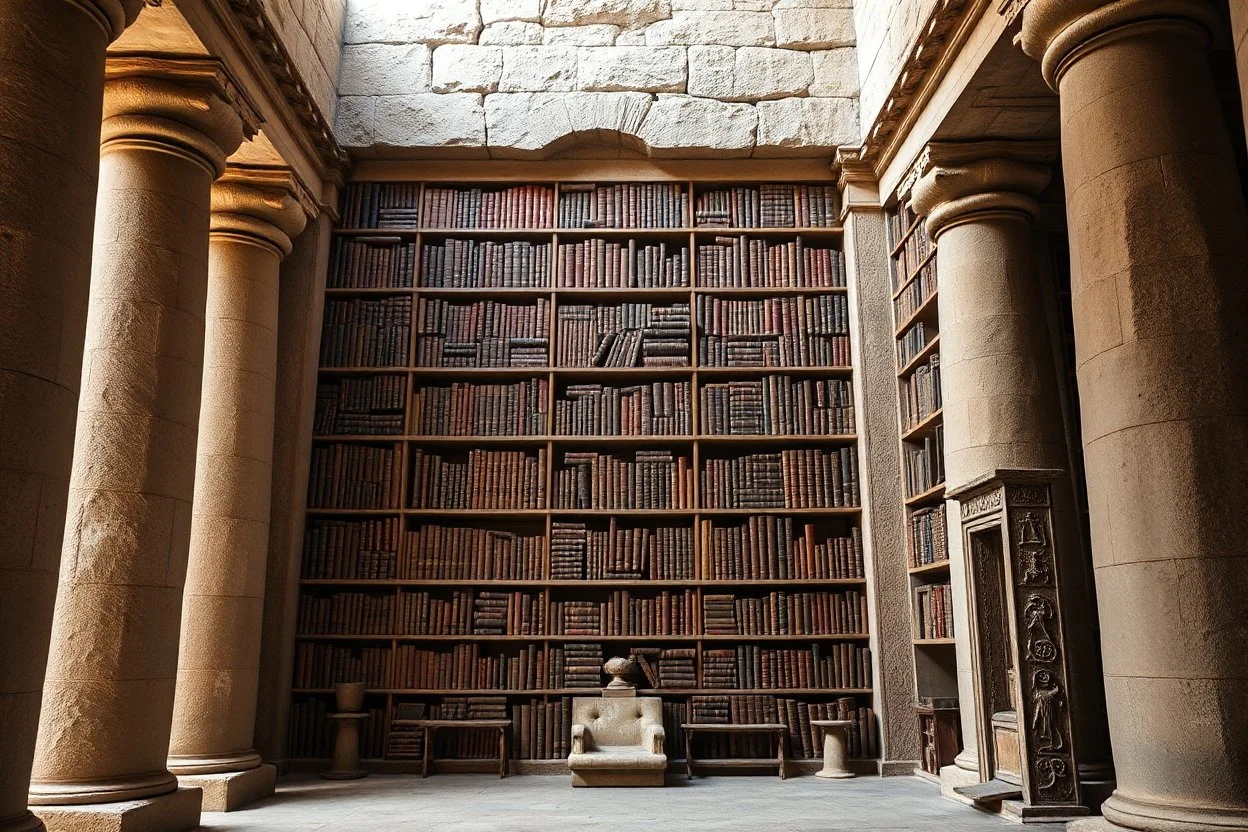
(999, 382)
(108, 699)
(49, 155)
(255, 212)
(1158, 255)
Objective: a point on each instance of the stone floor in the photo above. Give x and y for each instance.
(482, 803)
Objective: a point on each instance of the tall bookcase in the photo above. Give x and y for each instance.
(917, 330)
(568, 419)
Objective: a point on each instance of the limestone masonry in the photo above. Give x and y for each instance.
(527, 78)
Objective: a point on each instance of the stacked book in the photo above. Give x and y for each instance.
(627, 335)
(678, 668)
(576, 618)
(712, 710)
(719, 615)
(567, 551)
(371, 406)
(378, 205)
(482, 334)
(583, 666)
(371, 263)
(719, 668)
(507, 613)
(366, 333)
(407, 739)
(353, 549)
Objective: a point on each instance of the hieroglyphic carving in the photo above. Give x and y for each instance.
(981, 504)
(1031, 543)
(1027, 495)
(1037, 613)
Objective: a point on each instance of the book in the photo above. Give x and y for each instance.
(778, 548)
(371, 262)
(777, 405)
(368, 406)
(625, 335)
(660, 408)
(644, 479)
(798, 478)
(608, 264)
(767, 206)
(521, 206)
(747, 262)
(808, 331)
(380, 205)
(623, 205)
(464, 409)
(485, 264)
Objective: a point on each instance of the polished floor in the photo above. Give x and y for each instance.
(483, 803)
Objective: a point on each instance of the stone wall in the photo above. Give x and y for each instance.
(886, 31)
(311, 31)
(529, 78)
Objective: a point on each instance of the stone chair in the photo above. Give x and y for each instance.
(617, 742)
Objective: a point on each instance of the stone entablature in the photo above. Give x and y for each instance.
(525, 78)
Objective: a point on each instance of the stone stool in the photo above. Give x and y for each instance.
(835, 748)
(346, 748)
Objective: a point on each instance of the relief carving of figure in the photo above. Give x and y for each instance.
(1040, 645)
(1031, 530)
(1046, 705)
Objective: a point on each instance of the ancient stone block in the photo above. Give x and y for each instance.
(836, 73)
(430, 120)
(805, 126)
(523, 125)
(628, 13)
(805, 28)
(679, 125)
(384, 69)
(711, 71)
(770, 73)
(713, 28)
(598, 34)
(465, 68)
(635, 68)
(538, 69)
(608, 116)
(511, 33)
(430, 22)
(493, 11)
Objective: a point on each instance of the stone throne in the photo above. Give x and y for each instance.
(617, 742)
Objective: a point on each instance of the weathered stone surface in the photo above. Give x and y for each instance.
(835, 73)
(711, 70)
(806, 28)
(353, 121)
(430, 120)
(538, 69)
(524, 125)
(679, 125)
(598, 34)
(608, 116)
(714, 29)
(805, 126)
(493, 11)
(812, 4)
(770, 73)
(628, 13)
(511, 33)
(636, 68)
(384, 69)
(463, 68)
(631, 37)
(429, 22)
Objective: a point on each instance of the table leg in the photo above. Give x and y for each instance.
(780, 753)
(502, 753)
(688, 755)
(424, 763)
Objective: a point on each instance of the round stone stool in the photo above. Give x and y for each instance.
(346, 748)
(835, 748)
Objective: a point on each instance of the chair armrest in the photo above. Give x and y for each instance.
(578, 739)
(652, 739)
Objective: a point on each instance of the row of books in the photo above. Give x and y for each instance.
(354, 476)
(345, 613)
(625, 335)
(456, 553)
(920, 392)
(783, 613)
(650, 479)
(622, 614)
(752, 667)
(913, 341)
(767, 206)
(915, 293)
(774, 332)
(626, 205)
(311, 732)
(380, 205)
(371, 263)
(933, 611)
(916, 249)
(372, 405)
(479, 480)
(778, 405)
(486, 333)
(768, 548)
(798, 478)
(745, 262)
(469, 667)
(639, 553)
(351, 549)
(462, 409)
(484, 264)
(660, 408)
(321, 665)
(924, 463)
(521, 206)
(366, 333)
(632, 264)
(929, 541)
(805, 740)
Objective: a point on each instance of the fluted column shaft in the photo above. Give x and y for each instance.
(52, 89)
(999, 381)
(108, 697)
(1159, 254)
(255, 213)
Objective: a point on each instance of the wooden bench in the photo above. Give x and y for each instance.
(774, 728)
(431, 727)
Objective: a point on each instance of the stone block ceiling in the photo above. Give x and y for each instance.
(532, 78)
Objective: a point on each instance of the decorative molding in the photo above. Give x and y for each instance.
(206, 73)
(856, 180)
(1011, 9)
(978, 504)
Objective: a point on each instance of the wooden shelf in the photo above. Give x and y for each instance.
(926, 311)
(934, 641)
(587, 583)
(680, 231)
(559, 639)
(935, 492)
(596, 691)
(925, 427)
(935, 568)
(922, 356)
(927, 258)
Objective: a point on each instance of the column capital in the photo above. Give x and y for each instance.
(856, 179)
(954, 182)
(261, 205)
(189, 106)
(1057, 32)
(114, 16)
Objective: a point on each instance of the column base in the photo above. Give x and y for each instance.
(1023, 813)
(953, 777)
(173, 812)
(22, 823)
(232, 790)
(1127, 813)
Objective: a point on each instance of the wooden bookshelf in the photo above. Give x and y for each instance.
(916, 321)
(381, 564)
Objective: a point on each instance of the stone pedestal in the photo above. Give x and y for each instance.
(233, 789)
(1159, 254)
(835, 748)
(108, 698)
(255, 213)
(49, 152)
(346, 748)
(176, 810)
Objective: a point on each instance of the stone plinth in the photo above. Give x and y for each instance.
(172, 812)
(234, 789)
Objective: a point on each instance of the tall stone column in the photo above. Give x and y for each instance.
(49, 164)
(255, 212)
(999, 382)
(108, 699)
(1158, 258)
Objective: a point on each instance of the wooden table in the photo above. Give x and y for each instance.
(431, 727)
(774, 728)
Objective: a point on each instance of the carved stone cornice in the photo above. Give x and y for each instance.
(856, 180)
(188, 105)
(957, 182)
(1055, 32)
(262, 205)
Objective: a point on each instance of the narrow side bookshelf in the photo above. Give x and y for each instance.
(917, 331)
(566, 420)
